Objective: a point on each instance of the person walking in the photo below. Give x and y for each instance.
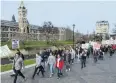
(69, 57)
(77, 54)
(51, 62)
(83, 59)
(67, 61)
(101, 55)
(15, 57)
(72, 55)
(22, 56)
(95, 55)
(18, 67)
(13, 66)
(111, 51)
(59, 66)
(38, 66)
(88, 52)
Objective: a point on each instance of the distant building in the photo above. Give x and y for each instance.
(22, 30)
(113, 36)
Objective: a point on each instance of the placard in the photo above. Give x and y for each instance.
(15, 44)
(96, 46)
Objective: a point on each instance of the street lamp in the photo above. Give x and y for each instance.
(73, 35)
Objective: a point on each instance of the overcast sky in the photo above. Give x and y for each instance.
(83, 14)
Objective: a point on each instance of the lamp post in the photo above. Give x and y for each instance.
(73, 35)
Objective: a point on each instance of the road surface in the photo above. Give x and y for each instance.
(102, 72)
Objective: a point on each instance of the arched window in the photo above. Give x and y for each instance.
(27, 29)
(24, 30)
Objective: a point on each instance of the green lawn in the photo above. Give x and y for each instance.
(30, 45)
(34, 44)
(9, 66)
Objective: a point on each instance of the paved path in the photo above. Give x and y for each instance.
(102, 72)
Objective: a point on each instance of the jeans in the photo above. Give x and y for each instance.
(95, 59)
(51, 68)
(83, 63)
(78, 57)
(72, 60)
(69, 61)
(18, 72)
(59, 72)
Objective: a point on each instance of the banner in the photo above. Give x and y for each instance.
(5, 51)
(96, 46)
(85, 46)
(15, 44)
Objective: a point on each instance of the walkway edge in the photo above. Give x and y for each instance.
(2, 73)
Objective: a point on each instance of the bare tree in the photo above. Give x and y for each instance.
(48, 29)
(114, 30)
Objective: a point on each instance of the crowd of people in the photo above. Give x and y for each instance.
(59, 59)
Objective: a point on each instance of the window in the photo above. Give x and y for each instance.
(10, 29)
(34, 31)
(5, 29)
(3, 35)
(23, 14)
(24, 30)
(2, 29)
(13, 29)
(6, 35)
(10, 35)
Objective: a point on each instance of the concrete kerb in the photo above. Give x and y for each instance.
(2, 73)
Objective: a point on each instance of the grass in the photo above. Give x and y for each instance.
(34, 44)
(30, 45)
(9, 66)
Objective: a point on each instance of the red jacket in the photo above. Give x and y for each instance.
(114, 47)
(61, 64)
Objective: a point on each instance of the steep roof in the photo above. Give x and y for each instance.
(9, 23)
(15, 24)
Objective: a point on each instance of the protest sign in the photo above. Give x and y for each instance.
(15, 44)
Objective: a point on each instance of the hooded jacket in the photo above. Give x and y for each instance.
(51, 59)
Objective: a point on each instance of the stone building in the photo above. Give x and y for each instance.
(22, 30)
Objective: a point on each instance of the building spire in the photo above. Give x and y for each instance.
(22, 3)
(13, 18)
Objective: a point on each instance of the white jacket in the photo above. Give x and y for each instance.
(18, 63)
(51, 60)
(38, 60)
(72, 54)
